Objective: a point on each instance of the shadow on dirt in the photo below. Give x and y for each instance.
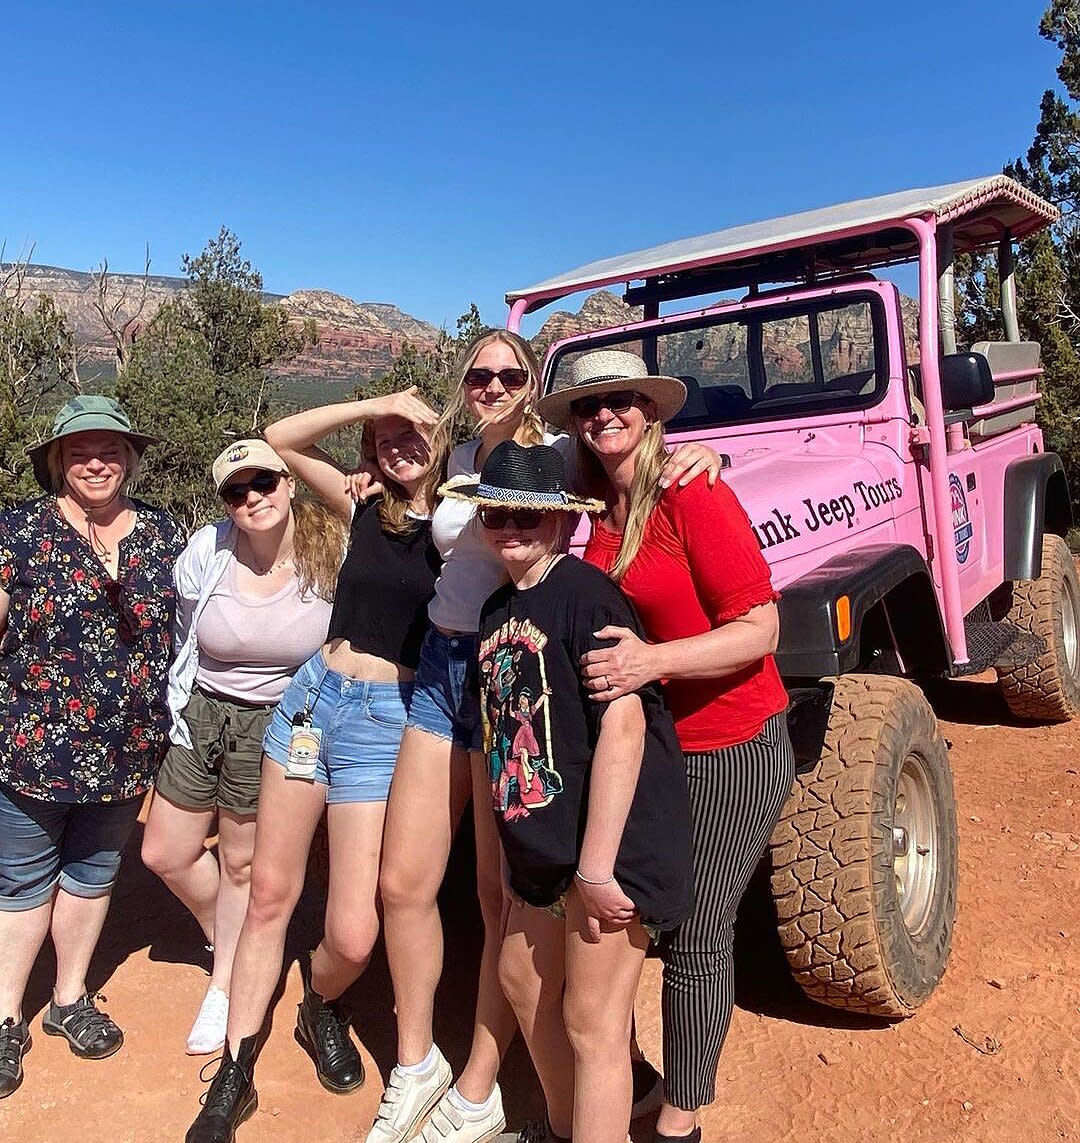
(145, 915)
(971, 702)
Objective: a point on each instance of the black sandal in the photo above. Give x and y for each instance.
(14, 1044)
(89, 1031)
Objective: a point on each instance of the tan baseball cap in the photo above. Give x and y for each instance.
(253, 453)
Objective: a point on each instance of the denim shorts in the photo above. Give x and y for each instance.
(361, 724)
(74, 845)
(446, 701)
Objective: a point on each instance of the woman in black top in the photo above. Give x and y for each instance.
(332, 743)
(589, 797)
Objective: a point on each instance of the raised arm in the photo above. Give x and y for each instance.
(612, 784)
(296, 438)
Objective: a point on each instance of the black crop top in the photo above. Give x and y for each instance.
(383, 588)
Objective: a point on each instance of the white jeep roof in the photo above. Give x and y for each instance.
(978, 208)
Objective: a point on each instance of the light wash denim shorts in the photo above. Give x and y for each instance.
(446, 701)
(361, 724)
(75, 845)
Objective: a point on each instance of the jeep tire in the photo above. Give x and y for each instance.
(1048, 688)
(864, 859)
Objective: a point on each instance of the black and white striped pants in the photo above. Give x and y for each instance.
(736, 794)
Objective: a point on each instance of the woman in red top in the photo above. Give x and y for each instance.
(690, 564)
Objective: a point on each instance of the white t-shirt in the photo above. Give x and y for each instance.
(471, 570)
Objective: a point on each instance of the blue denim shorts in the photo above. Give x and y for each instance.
(446, 701)
(71, 844)
(361, 724)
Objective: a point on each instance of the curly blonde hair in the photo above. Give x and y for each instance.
(320, 538)
(442, 439)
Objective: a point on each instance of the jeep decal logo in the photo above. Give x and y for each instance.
(961, 520)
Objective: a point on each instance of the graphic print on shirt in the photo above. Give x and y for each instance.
(517, 719)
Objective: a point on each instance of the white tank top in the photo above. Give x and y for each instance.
(471, 570)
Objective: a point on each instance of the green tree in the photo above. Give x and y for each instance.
(198, 374)
(1048, 265)
(37, 373)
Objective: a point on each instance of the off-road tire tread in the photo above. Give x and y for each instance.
(826, 889)
(1043, 690)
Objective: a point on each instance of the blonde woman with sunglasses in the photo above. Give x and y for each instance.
(441, 764)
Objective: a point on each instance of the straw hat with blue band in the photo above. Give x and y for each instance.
(85, 414)
(611, 371)
(516, 476)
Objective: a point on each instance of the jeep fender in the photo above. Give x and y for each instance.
(894, 576)
(1036, 500)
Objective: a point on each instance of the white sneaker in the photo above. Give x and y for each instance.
(450, 1123)
(407, 1102)
(208, 1031)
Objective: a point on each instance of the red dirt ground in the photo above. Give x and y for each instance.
(790, 1070)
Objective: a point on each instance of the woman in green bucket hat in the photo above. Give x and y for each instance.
(86, 615)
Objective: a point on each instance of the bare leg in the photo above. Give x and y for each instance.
(22, 934)
(352, 919)
(174, 848)
(289, 811)
(430, 786)
(495, 1024)
(76, 927)
(598, 1006)
(532, 973)
(236, 847)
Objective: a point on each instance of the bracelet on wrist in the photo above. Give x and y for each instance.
(590, 881)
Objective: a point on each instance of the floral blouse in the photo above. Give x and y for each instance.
(84, 659)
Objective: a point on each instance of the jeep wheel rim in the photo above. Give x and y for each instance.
(1069, 636)
(915, 829)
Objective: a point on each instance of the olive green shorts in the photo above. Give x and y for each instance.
(222, 769)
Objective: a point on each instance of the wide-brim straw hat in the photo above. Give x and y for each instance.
(250, 453)
(88, 413)
(609, 371)
(520, 476)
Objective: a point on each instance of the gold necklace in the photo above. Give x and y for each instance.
(273, 567)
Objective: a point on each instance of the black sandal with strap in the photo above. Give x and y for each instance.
(89, 1031)
(14, 1044)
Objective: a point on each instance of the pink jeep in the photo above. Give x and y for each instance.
(901, 494)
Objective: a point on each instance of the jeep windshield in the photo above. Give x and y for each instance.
(790, 359)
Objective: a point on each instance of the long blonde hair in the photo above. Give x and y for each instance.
(645, 491)
(443, 437)
(393, 507)
(319, 541)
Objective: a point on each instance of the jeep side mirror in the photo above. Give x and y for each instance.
(966, 381)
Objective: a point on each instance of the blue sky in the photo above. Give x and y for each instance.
(431, 154)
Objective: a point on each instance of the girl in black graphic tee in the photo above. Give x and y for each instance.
(590, 799)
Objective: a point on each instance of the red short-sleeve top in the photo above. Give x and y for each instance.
(699, 566)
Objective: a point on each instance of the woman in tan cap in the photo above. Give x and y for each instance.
(254, 595)
(86, 615)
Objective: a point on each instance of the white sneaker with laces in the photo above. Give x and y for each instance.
(208, 1031)
(407, 1102)
(450, 1123)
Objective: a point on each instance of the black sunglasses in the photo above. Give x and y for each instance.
(126, 627)
(524, 519)
(263, 483)
(512, 378)
(617, 402)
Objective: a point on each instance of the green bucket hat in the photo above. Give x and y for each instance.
(84, 414)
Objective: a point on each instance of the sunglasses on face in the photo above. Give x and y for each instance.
(618, 402)
(126, 626)
(262, 483)
(523, 519)
(512, 378)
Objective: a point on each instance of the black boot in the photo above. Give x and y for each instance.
(322, 1030)
(14, 1044)
(231, 1098)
